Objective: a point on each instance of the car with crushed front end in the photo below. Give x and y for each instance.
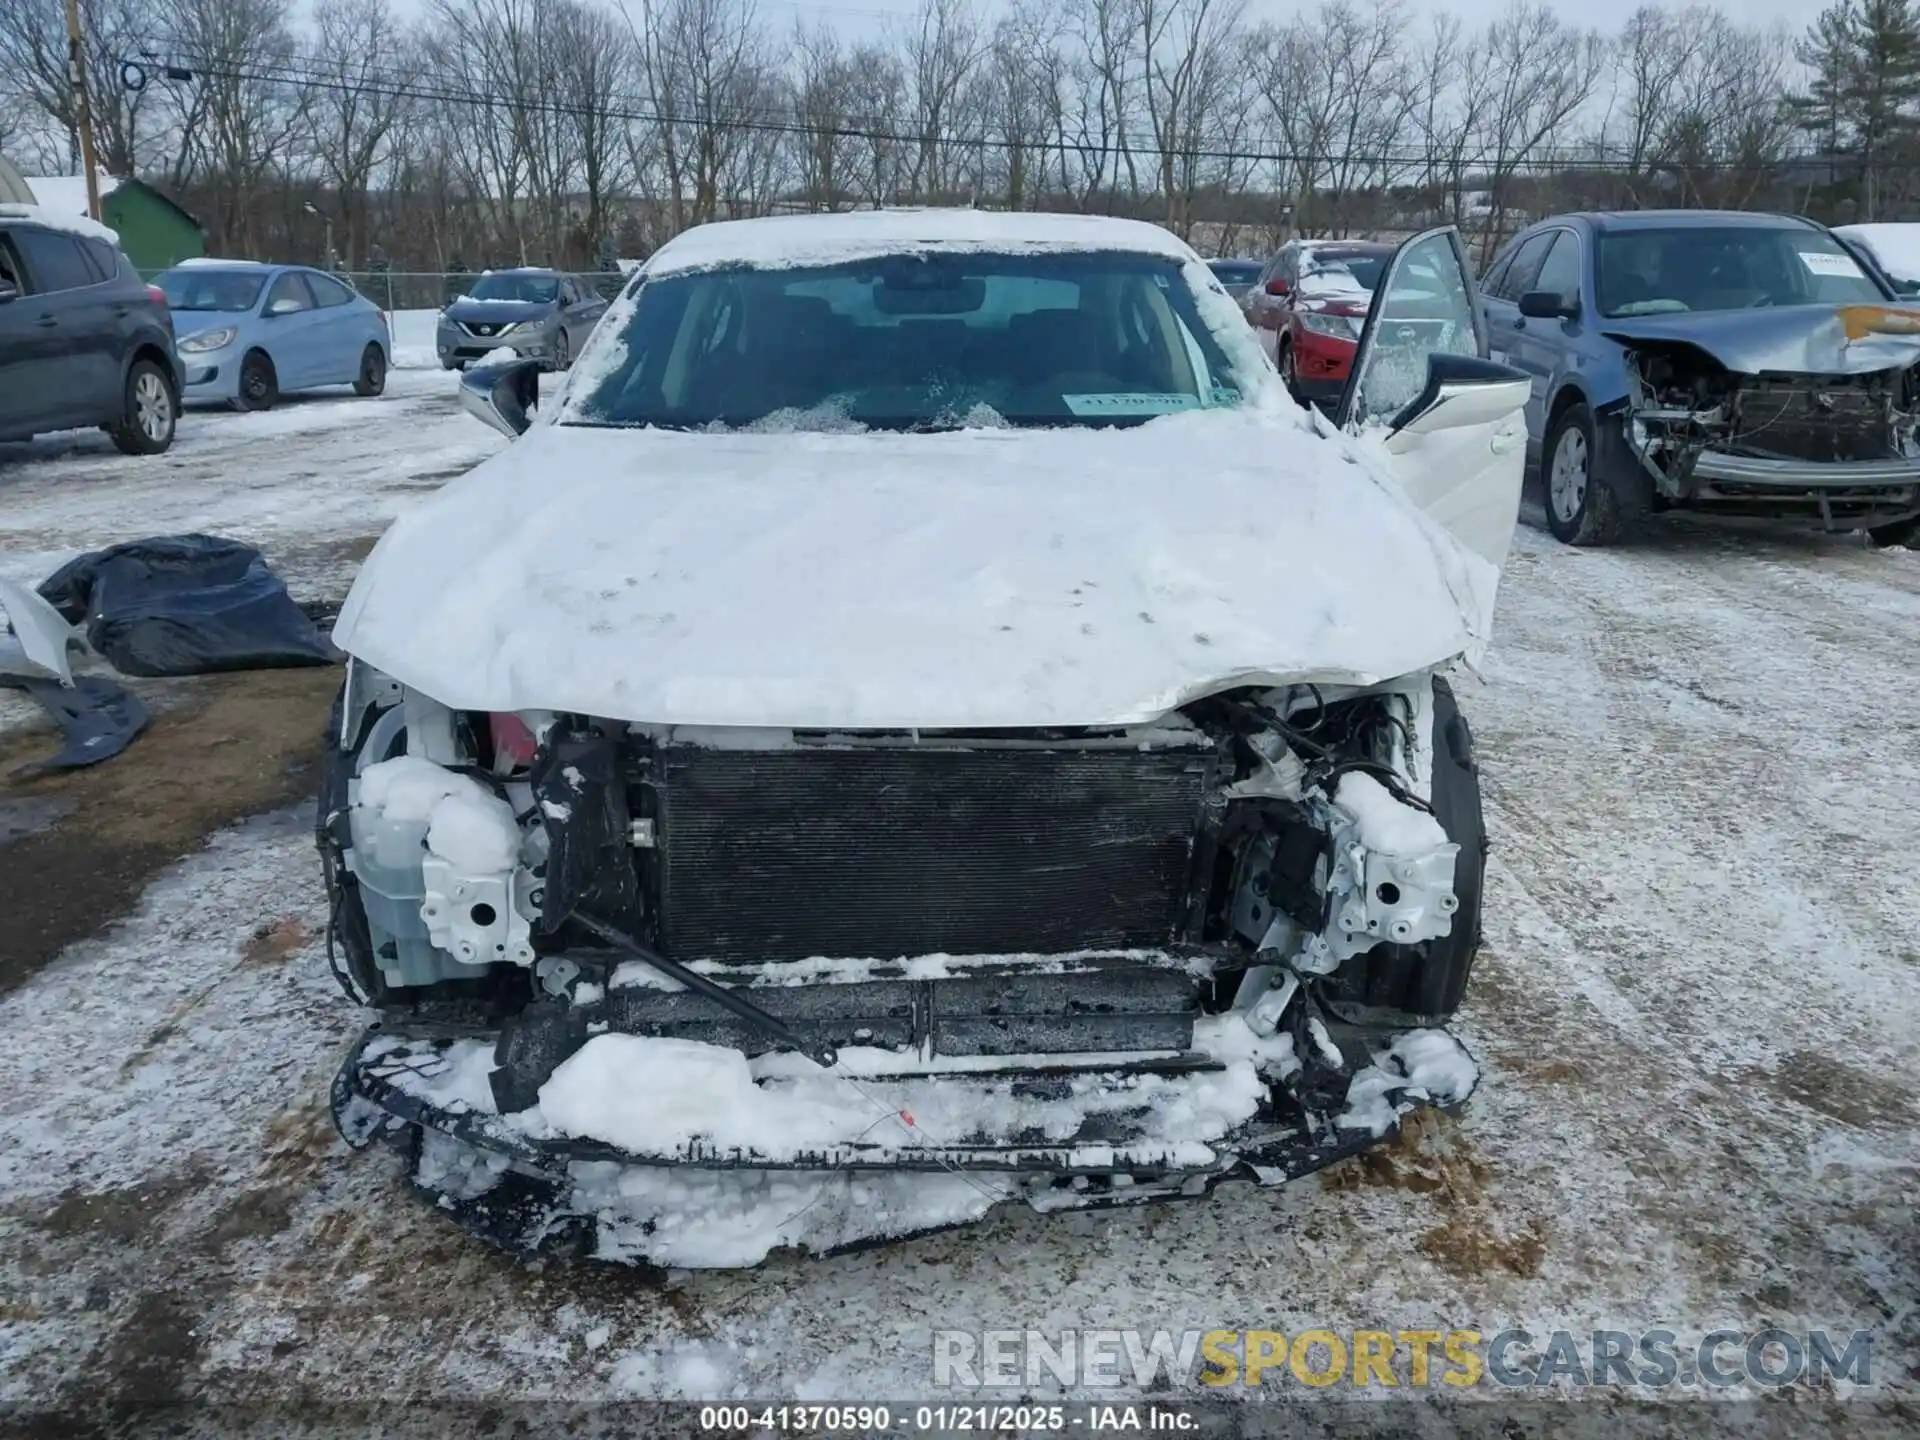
(920, 719)
(537, 314)
(1723, 362)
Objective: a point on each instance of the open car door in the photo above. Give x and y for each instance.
(1450, 421)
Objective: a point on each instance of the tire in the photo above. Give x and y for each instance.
(1581, 510)
(1900, 532)
(562, 351)
(1288, 376)
(150, 411)
(259, 384)
(372, 379)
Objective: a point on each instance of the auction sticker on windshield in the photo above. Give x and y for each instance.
(1822, 263)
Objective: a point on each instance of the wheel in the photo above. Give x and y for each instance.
(1900, 532)
(1580, 509)
(562, 350)
(373, 371)
(152, 410)
(1289, 375)
(259, 385)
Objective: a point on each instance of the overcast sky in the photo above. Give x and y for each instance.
(858, 15)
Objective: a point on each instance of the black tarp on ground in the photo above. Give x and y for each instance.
(184, 605)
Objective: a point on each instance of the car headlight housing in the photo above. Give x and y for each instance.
(207, 340)
(1342, 327)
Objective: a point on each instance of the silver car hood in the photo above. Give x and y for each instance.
(1794, 339)
(984, 578)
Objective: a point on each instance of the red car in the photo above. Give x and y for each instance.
(1308, 307)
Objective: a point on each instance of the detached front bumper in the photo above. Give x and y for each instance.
(924, 1147)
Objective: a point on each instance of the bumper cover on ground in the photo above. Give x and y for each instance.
(1109, 1134)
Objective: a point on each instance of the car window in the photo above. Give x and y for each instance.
(1424, 307)
(328, 292)
(11, 270)
(54, 262)
(105, 259)
(202, 287)
(1525, 265)
(289, 286)
(916, 342)
(507, 285)
(1733, 267)
(1560, 271)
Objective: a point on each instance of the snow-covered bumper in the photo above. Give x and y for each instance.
(638, 1148)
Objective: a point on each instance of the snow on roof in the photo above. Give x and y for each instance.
(1896, 247)
(786, 240)
(67, 193)
(62, 220)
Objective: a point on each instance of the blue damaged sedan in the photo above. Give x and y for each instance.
(250, 333)
(1729, 363)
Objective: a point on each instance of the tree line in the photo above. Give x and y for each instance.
(573, 131)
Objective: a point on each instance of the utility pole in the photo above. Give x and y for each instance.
(83, 107)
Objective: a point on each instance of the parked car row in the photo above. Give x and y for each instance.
(1723, 362)
(84, 341)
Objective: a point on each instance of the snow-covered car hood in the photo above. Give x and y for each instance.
(993, 578)
(1799, 339)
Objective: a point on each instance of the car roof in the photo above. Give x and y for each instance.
(1236, 260)
(1623, 220)
(787, 241)
(1350, 247)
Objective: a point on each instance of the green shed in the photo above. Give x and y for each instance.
(154, 231)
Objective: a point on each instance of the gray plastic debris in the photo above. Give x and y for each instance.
(98, 718)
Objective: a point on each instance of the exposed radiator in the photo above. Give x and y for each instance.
(883, 851)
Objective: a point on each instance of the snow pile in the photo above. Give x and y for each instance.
(703, 1219)
(1385, 825)
(1229, 1037)
(653, 1096)
(415, 340)
(1425, 1065)
(467, 825)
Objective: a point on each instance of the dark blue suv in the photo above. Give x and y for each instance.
(1709, 360)
(83, 340)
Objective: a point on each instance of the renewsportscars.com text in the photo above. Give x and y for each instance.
(1454, 1358)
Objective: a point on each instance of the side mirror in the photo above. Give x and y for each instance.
(1546, 305)
(505, 396)
(8, 291)
(283, 307)
(1276, 286)
(1461, 390)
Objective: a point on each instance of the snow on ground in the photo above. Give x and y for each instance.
(413, 339)
(1697, 1016)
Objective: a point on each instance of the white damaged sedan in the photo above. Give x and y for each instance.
(920, 720)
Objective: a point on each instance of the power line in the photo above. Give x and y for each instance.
(299, 74)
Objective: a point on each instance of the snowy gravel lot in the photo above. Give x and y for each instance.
(1698, 1010)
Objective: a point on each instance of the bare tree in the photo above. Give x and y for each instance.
(1531, 75)
(1189, 64)
(357, 48)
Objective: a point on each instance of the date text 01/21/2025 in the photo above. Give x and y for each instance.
(944, 1419)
